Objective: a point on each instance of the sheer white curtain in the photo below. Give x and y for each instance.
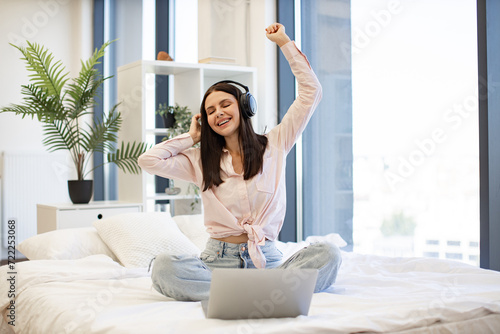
(327, 141)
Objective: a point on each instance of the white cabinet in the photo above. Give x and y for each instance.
(136, 92)
(58, 216)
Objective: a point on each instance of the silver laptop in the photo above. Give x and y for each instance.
(260, 293)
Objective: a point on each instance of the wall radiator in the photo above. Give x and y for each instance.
(28, 178)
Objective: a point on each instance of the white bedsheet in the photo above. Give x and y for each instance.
(372, 294)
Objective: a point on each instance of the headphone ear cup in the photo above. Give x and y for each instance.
(248, 105)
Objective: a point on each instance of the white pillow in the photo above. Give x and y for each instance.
(193, 227)
(138, 237)
(65, 244)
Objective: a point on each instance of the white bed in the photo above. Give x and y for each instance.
(96, 280)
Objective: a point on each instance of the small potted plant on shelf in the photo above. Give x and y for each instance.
(65, 109)
(177, 120)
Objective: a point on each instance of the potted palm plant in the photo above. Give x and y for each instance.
(65, 108)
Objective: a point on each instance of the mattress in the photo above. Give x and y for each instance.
(372, 294)
(96, 280)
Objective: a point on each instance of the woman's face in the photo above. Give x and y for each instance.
(223, 113)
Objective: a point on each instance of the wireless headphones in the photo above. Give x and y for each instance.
(247, 103)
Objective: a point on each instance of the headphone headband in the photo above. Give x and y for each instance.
(247, 103)
(234, 83)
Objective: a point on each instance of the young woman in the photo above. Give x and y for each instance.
(242, 178)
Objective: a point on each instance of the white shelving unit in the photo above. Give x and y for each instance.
(136, 92)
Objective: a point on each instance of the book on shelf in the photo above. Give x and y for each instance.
(218, 60)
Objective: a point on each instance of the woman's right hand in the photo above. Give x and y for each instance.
(276, 33)
(195, 128)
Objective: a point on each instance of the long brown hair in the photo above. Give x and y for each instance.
(251, 144)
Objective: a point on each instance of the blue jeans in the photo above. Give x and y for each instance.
(187, 277)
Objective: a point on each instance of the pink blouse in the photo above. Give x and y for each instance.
(255, 206)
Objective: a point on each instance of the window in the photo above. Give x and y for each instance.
(415, 130)
(390, 159)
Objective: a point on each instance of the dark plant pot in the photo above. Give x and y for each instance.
(80, 191)
(168, 120)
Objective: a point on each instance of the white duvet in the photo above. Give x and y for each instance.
(372, 294)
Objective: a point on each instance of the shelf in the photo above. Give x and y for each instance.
(162, 67)
(159, 131)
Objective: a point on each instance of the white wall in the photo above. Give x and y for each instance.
(63, 26)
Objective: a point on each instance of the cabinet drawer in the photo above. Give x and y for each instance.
(85, 218)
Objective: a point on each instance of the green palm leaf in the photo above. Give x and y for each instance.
(126, 157)
(103, 135)
(59, 135)
(85, 87)
(45, 73)
(18, 109)
(37, 102)
(82, 95)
